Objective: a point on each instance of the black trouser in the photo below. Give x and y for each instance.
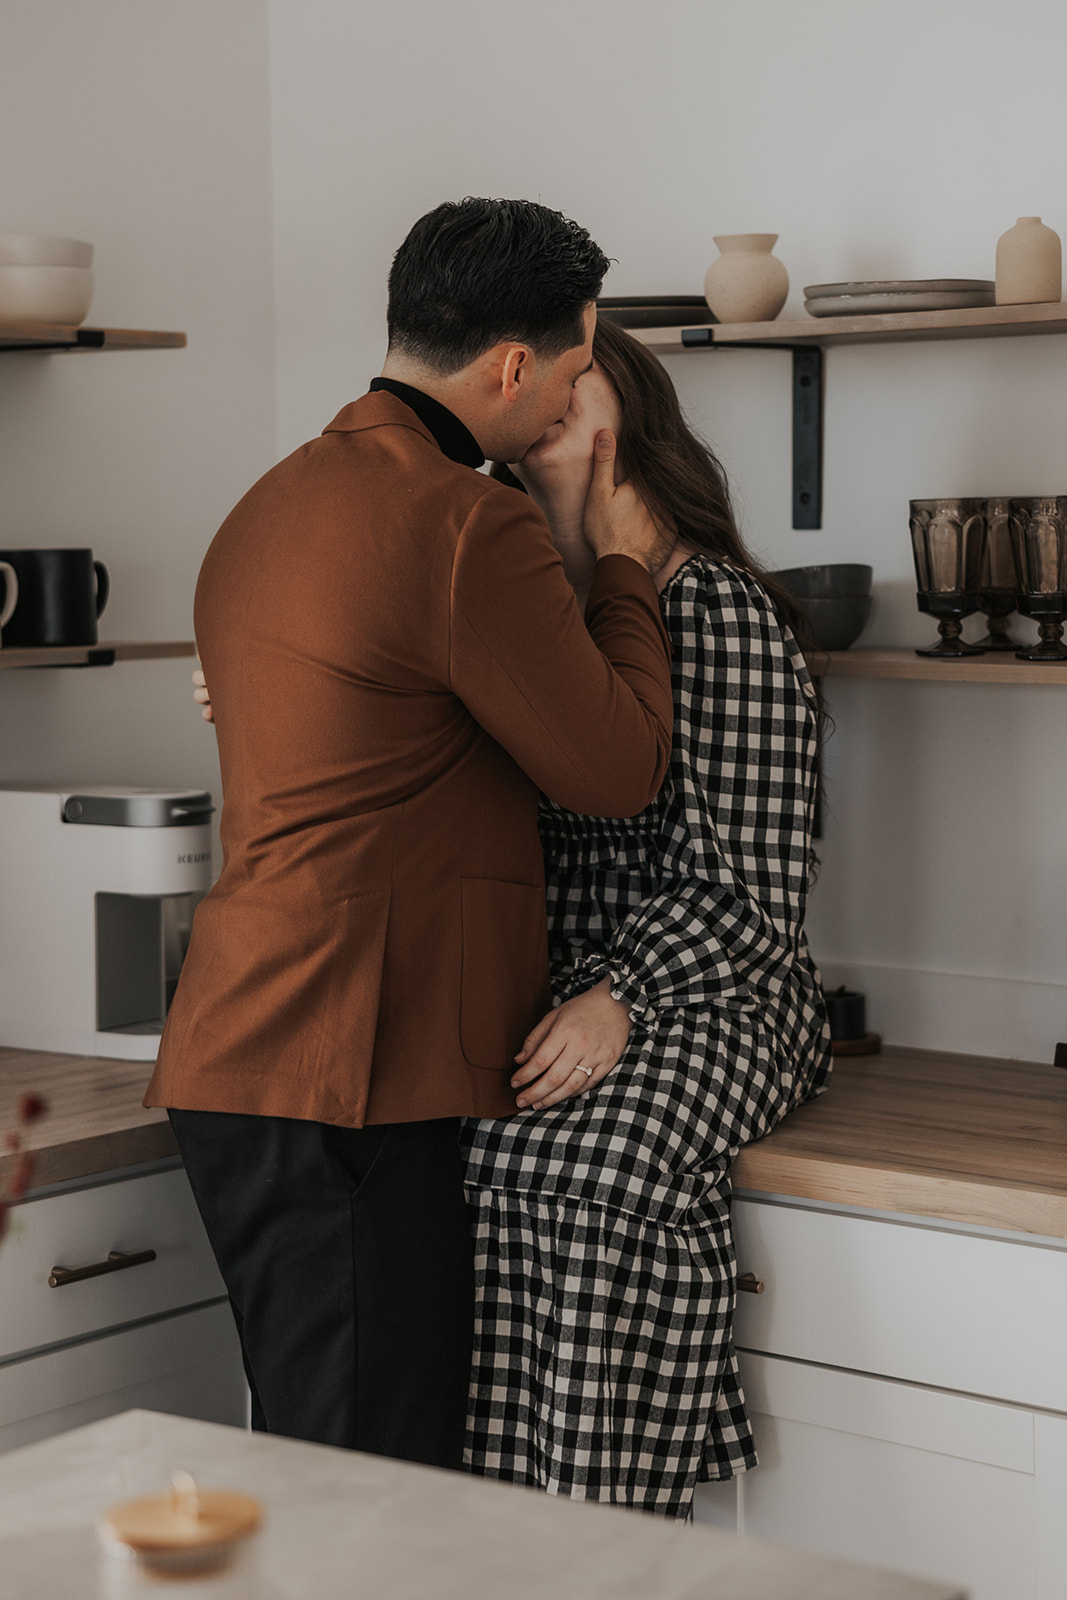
(347, 1256)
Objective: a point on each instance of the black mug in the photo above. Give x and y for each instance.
(846, 1012)
(61, 594)
(11, 594)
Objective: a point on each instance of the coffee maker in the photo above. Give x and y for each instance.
(98, 885)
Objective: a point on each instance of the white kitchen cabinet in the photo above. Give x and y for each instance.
(938, 1306)
(157, 1334)
(188, 1365)
(906, 1390)
(81, 1228)
(939, 1485)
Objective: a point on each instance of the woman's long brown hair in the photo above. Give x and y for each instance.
(678, 476)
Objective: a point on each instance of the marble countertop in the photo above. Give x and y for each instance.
(340, 1524)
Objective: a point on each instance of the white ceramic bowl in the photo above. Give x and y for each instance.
(60, 296)
(42, 250)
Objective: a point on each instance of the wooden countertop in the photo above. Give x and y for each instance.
(95, 1122)
(963, 1138)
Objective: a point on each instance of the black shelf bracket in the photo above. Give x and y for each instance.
(102, 655)
(84, 339)
(807, 416)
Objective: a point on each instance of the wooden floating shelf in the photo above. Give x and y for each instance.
(980, 322)
(97, 655)
(906, 664)
(805, 338)
(46, 337)
(900, 664)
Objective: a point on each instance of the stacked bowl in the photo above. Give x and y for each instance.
(44, 281)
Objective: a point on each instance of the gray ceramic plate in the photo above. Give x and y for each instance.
(655, 311)
(844, 305)
(818, 291)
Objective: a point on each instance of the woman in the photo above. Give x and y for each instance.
(688, 1018)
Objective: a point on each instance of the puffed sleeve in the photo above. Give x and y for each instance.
(724, 926)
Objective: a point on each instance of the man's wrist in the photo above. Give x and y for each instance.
(631, 555)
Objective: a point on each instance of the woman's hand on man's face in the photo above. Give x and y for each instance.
(200, 694)
(572, 1048)
(617, 521)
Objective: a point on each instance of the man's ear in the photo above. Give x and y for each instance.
(515, 370)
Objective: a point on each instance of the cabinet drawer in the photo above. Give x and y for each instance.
(905, 1414)
(188, 1364)
(955, 1311)
(156, 1212)
(968, 1492)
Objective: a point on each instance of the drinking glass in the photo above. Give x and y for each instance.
(998, 585)
(1040, 541)
(948, 539)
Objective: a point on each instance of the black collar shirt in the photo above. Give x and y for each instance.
(455, 438)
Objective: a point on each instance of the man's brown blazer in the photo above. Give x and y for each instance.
(397, 665)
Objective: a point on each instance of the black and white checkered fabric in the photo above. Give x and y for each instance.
(604, 1367)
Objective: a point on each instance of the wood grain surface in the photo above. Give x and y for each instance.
(74, 655)
(964, 1138)
(95, 1122)
(52, 336)
(993, 668)
(977, 322)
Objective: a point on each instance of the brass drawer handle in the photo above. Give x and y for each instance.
(750, 1284)
(115, 1262)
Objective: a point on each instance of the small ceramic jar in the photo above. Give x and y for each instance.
(747, 283)
(1029, 264)
(192, 1544)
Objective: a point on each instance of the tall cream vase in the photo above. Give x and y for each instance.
(1029, 270)
(747, 283)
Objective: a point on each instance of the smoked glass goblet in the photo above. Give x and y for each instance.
(948, 544)
(1041, 555)
(998, 584)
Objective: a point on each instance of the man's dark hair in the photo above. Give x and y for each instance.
(474, 272)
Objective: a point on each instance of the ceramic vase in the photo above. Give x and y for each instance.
(1028, 264)
(747, 283)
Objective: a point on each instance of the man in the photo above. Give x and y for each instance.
(397, 665)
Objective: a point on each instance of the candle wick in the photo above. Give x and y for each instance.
(186, 1495)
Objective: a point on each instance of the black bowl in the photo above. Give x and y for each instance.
(837, 581)
(836, 621)
(835, 598)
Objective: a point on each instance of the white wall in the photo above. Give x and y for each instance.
(144, 128)
(894, 141)
(877, 141)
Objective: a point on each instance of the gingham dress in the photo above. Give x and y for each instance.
(604, 1366)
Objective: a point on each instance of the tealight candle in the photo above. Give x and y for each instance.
(200, 1543)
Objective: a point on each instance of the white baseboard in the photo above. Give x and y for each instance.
(955, 1011)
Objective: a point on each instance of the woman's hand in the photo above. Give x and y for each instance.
(617, 521)
(572, 1048)
(200, 694)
